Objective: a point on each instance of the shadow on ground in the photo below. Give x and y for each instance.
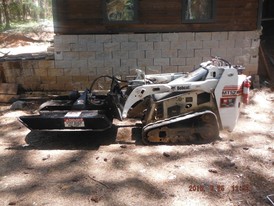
(83, 140)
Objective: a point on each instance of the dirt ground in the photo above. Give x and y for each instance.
(114, 168)
(29, 38)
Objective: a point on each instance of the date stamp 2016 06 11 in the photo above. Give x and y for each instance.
(219, 188)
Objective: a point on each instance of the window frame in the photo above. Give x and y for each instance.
(107, 20)
(209, 20)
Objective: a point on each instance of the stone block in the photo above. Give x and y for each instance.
(48, 79)
(136, 38)
(169, 69)
(95, 63)
(119, 54)
(72, 72)
(63, 79)
(153, 54)
(148, 46)
(242, 60)
(137, 54)
(219, 36)
(185, 68)
(114, 63)
(88, 71)
(153, 70)
(227, 43)
(63, 64)
(194, 44)
(251, 69)
(20, 80)
(96, 46)
(131, 46)
(56, 72)
(85, 39)
(62, 47)
(80, 64)
(153, 37)
(14, 65)
(202, 52)
(8, 98)
(54, 87)
(57, 39)
(85, 85)
(121, 71)
(234, 51)
(87, 55)
(29, 64)
(178, 45)
(68, 39)
(103, 55)
(112, 46)
(79, 47)
(104, 71)
(242, 43)
(8, 72)
(253, 34)
(8, 88)
(120, 38)
(161, 61)
(41, 72)
(210, 44)
(32, 79)
(129, 63)
(46, 64)
(71, 56)
(193, 62)
(220, 52)
(254, 60)
(205, 36)
(80, 78)
(251, 51)
(186, 53)
(233, 35)
(255, 42)
(27, 72)
(104, 38)
(170, 37)
(170, 53)
(177, 61)
(187, 36)
(144, 62)
(161, 45)
(10, 79)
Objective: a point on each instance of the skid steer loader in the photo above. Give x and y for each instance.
(179, 107)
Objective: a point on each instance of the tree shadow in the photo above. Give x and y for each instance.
(83, 140)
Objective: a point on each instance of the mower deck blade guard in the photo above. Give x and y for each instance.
(87, 120)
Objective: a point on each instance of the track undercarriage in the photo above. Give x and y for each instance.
(200, 127)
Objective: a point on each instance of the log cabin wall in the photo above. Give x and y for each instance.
(156, 41)
(87, 17)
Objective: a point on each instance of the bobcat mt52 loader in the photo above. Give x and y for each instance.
(180, 107)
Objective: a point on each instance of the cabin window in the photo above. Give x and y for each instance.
(198, 11)
(120, 10)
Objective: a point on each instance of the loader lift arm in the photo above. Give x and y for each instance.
(141, 92)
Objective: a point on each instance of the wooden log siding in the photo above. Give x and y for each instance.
(87, 17)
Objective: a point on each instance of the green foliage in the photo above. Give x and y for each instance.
(22, 11)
